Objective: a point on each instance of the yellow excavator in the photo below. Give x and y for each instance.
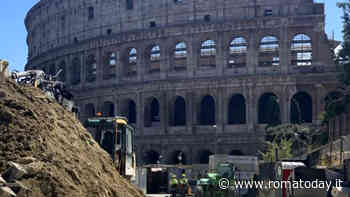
(116, 137)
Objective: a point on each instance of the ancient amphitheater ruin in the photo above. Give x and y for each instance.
(195, 77)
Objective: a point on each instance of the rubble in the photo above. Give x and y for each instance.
(46, 152)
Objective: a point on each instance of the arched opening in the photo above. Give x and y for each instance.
(207, 111)
(180, 56)
(269, 109)
(110, 66)
(238, 53)
(108, 109)
(301, 108)
(75, 71)
(132, 112)
(91, 68)
(152, 157)
(108, 143)
(62, 76)
(301, 50)
(131, 66)
(237, 110)
(152, 113)
(90, 110)
(155, 59)
(269, 52)
(180, 111)
(208, 54)
(236, 153)
(204, 156)
(178, 157)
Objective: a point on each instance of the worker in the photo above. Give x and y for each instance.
(173, 185)
(184, 184)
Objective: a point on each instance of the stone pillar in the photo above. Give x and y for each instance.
(140, 68)
(189, 111)
(252, 53)
(252, 106)
(163, 112)
(99, 67)
(220, 111)
(83, 59)
(164, 61)
(192, 57)
(284, 50)
(220, 54)
(140, 113)
(284, 105)
(319, 103)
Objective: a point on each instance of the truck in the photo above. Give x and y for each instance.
(116, 136)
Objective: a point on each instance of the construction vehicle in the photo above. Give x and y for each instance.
(48, 84)
(116, 137)
(232, 168)
(209, 185)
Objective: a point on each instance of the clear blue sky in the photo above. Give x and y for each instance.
(13, 34)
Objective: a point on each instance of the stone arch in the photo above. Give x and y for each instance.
(178, 157)
(207, 115)
(208, 54)
(204, 156)
(151, 157)
(269, 51)
(269, 109)
(75, 71)
(154, 58)
(301, 108)
(110, 65)
(236, 152)
(152, 112)
(237, 110)
(90, 110)
(130, 62)
(238, 52)
(108, 109)
(108, 143)
(301, 50)
(91, 68)
(177, 116)
(180, 56)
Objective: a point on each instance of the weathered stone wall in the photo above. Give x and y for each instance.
(61, 35)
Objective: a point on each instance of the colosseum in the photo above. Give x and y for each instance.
(194, 77)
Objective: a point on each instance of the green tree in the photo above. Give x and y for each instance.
(284, 148)
(339, 105)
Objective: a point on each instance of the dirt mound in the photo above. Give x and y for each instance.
(62, 158)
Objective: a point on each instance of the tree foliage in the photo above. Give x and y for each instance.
(339, 105)
(292, 140)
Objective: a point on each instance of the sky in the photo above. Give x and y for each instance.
(13, 33)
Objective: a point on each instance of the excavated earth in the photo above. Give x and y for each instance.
(62, 158)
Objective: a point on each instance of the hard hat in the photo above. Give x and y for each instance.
(183, 175)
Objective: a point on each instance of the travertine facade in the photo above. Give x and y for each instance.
(195, 76)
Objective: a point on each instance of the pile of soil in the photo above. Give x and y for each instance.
(63, 157)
